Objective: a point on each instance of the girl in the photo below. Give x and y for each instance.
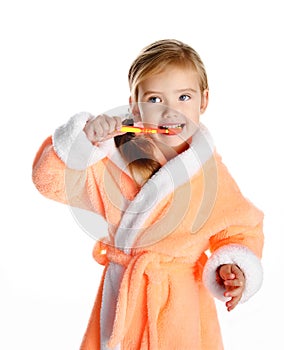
(179, 230)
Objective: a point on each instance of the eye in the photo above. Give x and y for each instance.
(154, 99)
(184, 98)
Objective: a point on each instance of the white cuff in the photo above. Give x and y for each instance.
(72, 145)
(239, 255)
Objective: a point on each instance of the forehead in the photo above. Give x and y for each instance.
(171, 76)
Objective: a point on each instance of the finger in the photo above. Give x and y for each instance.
(231, 304)
(238, 272)
(234, 283)
(104, 126)
(113, 128)
(110, 124)
(236, 292)
(225, 272)
(93, 127)
(219, 280)
(118, 123)
(98, 131)
(90, 130)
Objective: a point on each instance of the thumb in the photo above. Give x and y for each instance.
(237, 271)
(226, 272)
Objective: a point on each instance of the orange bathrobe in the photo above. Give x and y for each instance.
(164, 243)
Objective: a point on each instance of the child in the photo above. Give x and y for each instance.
(168, 199)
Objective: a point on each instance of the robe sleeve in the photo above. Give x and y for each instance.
(67, 166)
(239, 239)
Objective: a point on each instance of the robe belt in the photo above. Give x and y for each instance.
(156, 268)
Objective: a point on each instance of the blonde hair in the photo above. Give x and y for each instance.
(138, 151)
(154, 58)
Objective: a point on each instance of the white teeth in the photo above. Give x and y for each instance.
(171, 126)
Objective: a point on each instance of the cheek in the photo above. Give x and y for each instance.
(193, 114)
(150, 113)
(194, 119)
(191, 128)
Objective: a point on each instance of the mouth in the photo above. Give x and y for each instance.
(171, 129)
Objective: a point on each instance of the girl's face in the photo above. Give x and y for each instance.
(172, 99)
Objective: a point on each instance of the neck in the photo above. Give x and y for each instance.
(164, 153)
(183, 146)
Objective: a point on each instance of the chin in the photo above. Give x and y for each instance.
(173, 141)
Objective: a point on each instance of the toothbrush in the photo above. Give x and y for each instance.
(136, 129)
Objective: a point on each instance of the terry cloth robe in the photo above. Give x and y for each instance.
(165, 241)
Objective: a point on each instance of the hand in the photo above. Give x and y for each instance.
(102, 128)
(233, 279)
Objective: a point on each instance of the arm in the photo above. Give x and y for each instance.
(240, 261)
(237, 245)
(65, 162)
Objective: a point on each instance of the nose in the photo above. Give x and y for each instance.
(168, 112)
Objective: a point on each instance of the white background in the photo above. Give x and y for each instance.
(62, 57)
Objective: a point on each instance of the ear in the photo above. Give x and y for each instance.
(134, 109)
(204, 101)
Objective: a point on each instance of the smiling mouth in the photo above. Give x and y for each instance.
(171, 129)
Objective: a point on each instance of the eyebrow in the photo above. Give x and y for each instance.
(186, 89)
(150, 92)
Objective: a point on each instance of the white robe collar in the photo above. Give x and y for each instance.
(173, 174)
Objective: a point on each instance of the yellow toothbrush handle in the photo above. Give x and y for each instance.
(125, 128)
(135, 129)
